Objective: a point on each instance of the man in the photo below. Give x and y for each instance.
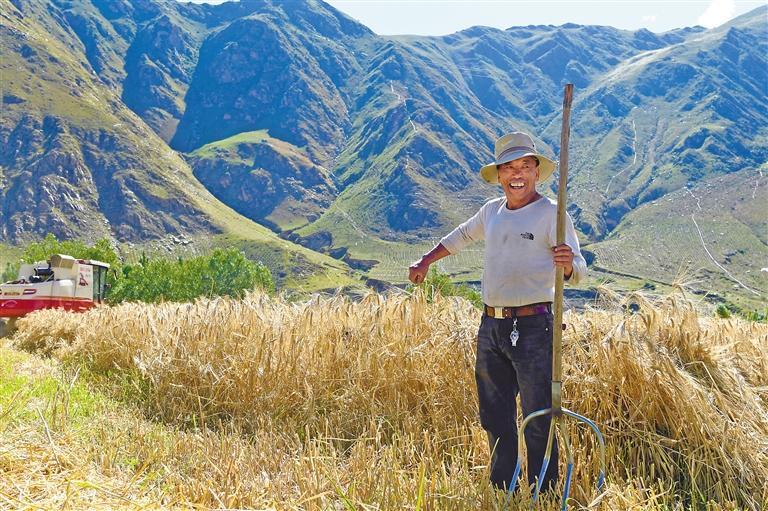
(514, 343)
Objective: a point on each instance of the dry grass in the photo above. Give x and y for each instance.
(331, 404)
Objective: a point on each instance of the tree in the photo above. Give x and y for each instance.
(225, 272)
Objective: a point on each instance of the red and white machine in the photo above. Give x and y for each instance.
(62, 282)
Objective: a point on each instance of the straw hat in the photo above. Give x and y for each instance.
(511, 147)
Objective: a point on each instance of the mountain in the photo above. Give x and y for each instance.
(668, 118)
(433, 106)
(363, 147)
(74, 158)
(76, 161)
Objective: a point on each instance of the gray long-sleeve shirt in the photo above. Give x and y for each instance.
(518, 268)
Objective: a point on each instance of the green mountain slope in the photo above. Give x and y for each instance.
(291, 193)
(76, 161)
(74, 158)
(278, 66)
(668, 118)
(363, 147)
(712, 236)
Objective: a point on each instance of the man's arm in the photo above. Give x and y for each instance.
(417, 272)
(471, 230)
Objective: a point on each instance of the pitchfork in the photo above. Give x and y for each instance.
(557, 412)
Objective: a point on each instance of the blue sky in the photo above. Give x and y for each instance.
(439, 17)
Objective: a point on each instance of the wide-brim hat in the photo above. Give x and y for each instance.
(512, 147)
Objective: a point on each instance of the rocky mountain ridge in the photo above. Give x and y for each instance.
(77, 162)
(305, 121)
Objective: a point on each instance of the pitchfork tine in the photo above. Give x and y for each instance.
(557, 412)
(547, 457)
(559, 423)
(569, 466)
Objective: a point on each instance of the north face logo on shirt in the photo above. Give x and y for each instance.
(526, 235)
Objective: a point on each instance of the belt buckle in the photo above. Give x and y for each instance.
(498, 312)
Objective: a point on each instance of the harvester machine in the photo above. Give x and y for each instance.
(61, 282)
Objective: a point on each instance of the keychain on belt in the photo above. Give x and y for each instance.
(514, 335)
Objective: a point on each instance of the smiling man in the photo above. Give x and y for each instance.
(514, 343)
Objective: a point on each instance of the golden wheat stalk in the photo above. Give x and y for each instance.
(371, 404)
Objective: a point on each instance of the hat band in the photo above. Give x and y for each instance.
(514, 149)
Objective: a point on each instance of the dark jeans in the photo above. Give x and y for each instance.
(502, 371)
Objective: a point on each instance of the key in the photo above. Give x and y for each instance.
(514, 335)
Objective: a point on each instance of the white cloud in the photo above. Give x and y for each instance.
(717, 13)
(649, 18)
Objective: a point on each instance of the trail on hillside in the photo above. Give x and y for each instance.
(405, 105)
(714, 261)
(709, 254)
(634, 158)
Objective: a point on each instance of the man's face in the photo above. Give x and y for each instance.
(518, 178)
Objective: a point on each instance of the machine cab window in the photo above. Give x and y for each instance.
(99, 282)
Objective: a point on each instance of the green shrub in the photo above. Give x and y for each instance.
(440, 283)
(722, 311)
(757, 316)
(42, 250)
(222, 273)
(11, 272)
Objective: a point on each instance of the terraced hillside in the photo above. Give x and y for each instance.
(712, 236)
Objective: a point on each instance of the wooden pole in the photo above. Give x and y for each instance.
(557, 338)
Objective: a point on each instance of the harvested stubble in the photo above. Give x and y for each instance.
(372, 403)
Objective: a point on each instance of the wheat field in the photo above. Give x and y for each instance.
(337, 404)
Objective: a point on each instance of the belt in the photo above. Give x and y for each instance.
(516, 312)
